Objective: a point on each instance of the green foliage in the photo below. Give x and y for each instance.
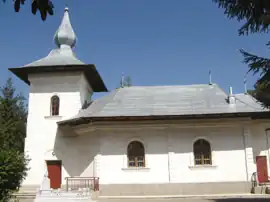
(251, 92)
(126, 82)
(254, 13)
(13, 118)
(260, 95)
(13, 162)
(45, 7)
(256, 17)
(12, 171)
(259, 65)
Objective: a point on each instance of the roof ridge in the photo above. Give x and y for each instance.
(222, 90)
(186, 85)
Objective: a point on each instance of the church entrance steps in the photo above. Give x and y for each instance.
(262, 189)
(47, 196)
(22, 200)
(63, 197)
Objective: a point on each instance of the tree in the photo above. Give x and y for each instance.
(251, 92)
(13, 169)
(13, 162)
(45, 7)
(126, 81)
(256, 17)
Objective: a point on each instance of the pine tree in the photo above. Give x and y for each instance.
(13, 162)
(256, 17)
(126, 82)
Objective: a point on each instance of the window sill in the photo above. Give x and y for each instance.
(202, 166)
(136, 169)
(53, 117)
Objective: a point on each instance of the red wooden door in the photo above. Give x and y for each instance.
(55, 173)
(262, 171)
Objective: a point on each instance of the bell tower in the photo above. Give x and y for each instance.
(59, 85)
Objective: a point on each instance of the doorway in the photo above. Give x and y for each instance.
(262, 171)
(54, 168)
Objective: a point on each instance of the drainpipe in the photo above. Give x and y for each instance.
(168, 153)
(245, 145)
(94, 167)
(169, 168)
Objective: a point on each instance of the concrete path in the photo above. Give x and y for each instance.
(229, 199)
(250, 198)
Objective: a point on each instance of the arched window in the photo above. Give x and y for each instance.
(202, 152)
(55, 103)
(136, 154)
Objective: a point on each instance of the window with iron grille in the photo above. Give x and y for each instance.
(202, 152)
(136, 154)
(55, 103)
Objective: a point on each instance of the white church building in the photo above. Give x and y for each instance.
(139, 140)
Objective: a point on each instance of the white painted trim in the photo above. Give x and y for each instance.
(170, 156)
(245, 146)
(157, 125)
(202, 166)
(136, 169)
(248, 151)
(53, 117)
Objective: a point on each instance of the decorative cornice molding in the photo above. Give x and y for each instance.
(162, 125)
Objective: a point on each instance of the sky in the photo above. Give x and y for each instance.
(156, 42)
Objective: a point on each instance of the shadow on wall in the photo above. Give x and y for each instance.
(259, 143)
(241, 199)
(77, 154)
(182, 140)
(64, 83)
(117, 141)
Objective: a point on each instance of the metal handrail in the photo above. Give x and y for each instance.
(254, 179)
(76, 183)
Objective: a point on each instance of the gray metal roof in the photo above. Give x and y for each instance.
(168, 100)
(65, 40)
(57, 57)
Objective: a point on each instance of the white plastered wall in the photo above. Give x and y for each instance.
(42, 128)
(169, 155)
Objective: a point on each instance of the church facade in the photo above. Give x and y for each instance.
(140, 140)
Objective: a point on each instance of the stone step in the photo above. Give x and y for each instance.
(48, 196)
(261, 190)
(63, 195)
(22, 200)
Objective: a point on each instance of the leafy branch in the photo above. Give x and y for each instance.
(45, 7)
